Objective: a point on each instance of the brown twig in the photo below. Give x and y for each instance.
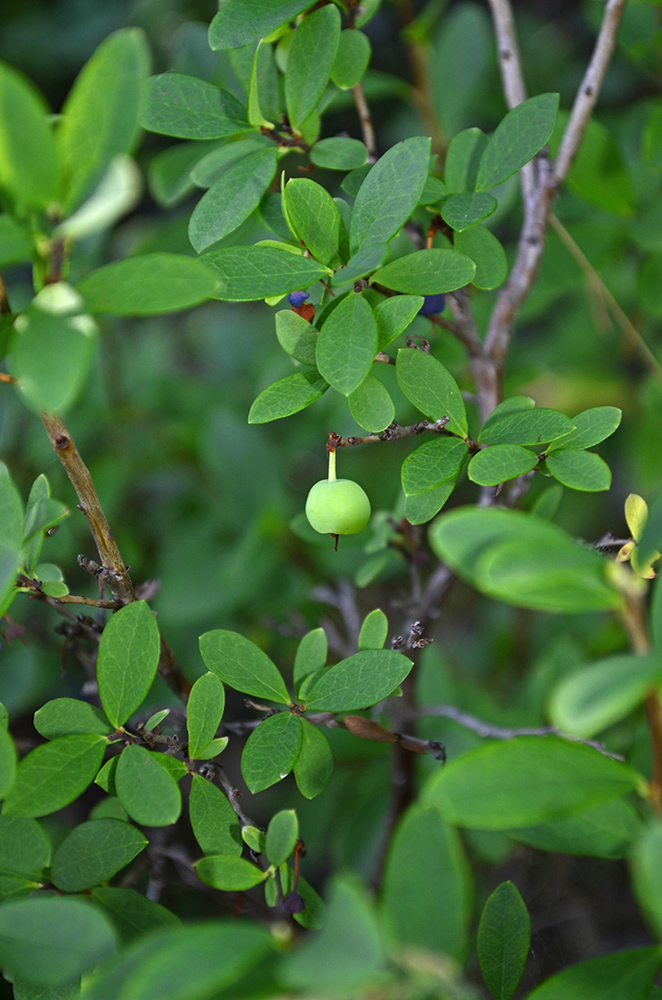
(589, 90)
(365, 118)
(539, 195)
(81, 480)
(394, 432)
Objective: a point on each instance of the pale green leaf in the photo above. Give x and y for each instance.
(148, 284)
(106, 92)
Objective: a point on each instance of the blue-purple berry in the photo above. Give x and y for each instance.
(297, 298)
(432, 305)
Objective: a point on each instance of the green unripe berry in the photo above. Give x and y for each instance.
(337, 506)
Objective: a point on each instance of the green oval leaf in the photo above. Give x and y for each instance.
(28, 166)
(53, 775)
(313, 769)
(517, 139)
(128, 657)
(93, 852)
(374, 630)
(245, 274)
(359, 681)
(427, 272)
(107, 92)
(183, 963)
(499, 463)
(339, 153)
(215, 826)
(51, 940)
(597, 696)
(314, 216)
(67, 716)
(282, 835)
(390, 193)
(296, 336)
(539, 778)
(351, 60)
(204, 711)
(237, 24)
(229, 873)
(24, 847)
(394, 315)
(461, 211)
(431, 387)
(647, 865)
(462, 159)
(432, 464)
(271, 751)
(504, 936)
(310, 655)
(625, 973)
(149, 284)
(309, 62)
(501, 552)
(52, 348)
(146, 789)
(371, 405)
(591, 427)
(7, 762)
(287, 396)
(190, 108)
(347, 344)
(231, 199)
(580, 470)
(241, 664)
(525, 426)
(426, 864)
(483, 248)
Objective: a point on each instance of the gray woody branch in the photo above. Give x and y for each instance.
(541, 181)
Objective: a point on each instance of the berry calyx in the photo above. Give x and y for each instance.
(337, 506)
